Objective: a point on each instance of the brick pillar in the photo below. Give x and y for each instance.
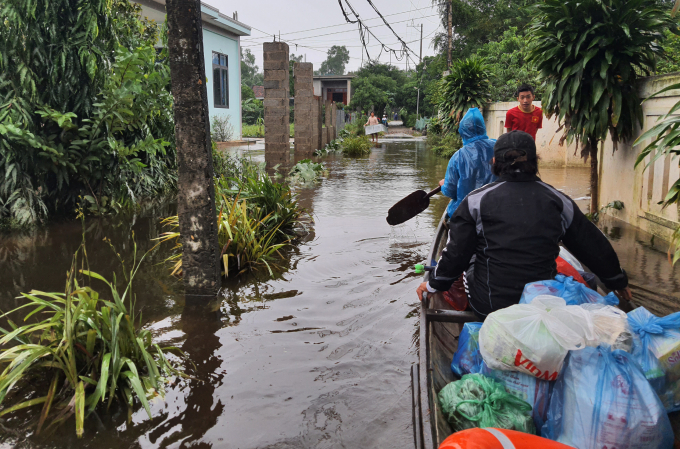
(304, 101)
(317, 125)
(276, 109)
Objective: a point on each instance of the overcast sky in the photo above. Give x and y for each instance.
(309, 23)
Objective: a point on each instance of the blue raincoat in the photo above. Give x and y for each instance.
(469, 167)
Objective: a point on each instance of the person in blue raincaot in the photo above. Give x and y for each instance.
(469, 167)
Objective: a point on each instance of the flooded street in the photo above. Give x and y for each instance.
(319, 356)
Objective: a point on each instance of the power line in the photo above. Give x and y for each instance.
(340, 24)
(390, 27)
(251, 44)
(365, 32)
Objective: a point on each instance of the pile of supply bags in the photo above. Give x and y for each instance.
(657, 351)
(593, 376)
(468, 360)
(602, 399)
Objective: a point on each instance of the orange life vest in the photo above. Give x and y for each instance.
(492, 438)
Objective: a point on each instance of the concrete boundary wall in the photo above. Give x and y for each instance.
(640, 190)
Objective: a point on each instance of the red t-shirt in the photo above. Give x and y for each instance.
(527, 122)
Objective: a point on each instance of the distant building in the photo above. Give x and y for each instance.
(221, 49)
(337, 88)
(259, 92)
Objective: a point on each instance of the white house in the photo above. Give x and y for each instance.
(222, 50)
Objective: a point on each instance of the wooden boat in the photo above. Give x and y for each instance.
(440, 327)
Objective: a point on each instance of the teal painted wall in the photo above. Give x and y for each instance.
(227, 46)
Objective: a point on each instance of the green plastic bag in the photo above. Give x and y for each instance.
(479, 401)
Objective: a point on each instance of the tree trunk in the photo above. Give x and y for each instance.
(449, 31)
(594, 178)
(196, 197)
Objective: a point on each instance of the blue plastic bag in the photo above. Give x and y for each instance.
(573, 292)
(656, 348)
(602, 399)
(467, 359)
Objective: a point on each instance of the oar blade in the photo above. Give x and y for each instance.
(408, 207)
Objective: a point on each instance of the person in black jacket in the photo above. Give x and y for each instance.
(507, 234)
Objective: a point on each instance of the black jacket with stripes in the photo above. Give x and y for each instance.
(514, 227)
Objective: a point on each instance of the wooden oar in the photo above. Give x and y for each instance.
(410, 206)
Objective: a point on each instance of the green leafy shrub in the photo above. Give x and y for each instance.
(253, 109)
(435, 126)
(467, 86)
(91, 348)
(509, 66)
(334, 146)
(444, 145)
(256, 218)
(356, 129)
(88, 114)
(306, 172)
(356, 145)
(221, 128)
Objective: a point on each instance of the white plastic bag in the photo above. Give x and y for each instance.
(611, 327)
(535, 338)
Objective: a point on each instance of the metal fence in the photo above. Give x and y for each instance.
(422, 123)
(340, 120)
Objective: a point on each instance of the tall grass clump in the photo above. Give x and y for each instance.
(354, 145)
(252, 130)
(256, 218)
(80, 349)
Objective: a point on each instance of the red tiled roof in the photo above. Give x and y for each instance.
(259, 91)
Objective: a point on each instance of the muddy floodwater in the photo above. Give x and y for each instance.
(317, 357)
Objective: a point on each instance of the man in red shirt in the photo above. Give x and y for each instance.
(525, 117)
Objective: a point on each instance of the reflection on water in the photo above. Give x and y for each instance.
(318, 356)
(654, 282)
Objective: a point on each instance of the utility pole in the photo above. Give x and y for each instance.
(420, 60)
(196, 191)
(449, 31)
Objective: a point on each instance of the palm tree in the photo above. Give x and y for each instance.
(590, 54)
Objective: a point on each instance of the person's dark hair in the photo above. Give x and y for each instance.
(511, 165)
(524, 88)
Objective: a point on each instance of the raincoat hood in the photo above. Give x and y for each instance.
(472, 126)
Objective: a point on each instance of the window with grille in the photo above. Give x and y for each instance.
(220, 65)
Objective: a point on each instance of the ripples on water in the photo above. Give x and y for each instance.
(317, 357)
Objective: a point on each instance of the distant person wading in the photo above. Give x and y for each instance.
(373, 120)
